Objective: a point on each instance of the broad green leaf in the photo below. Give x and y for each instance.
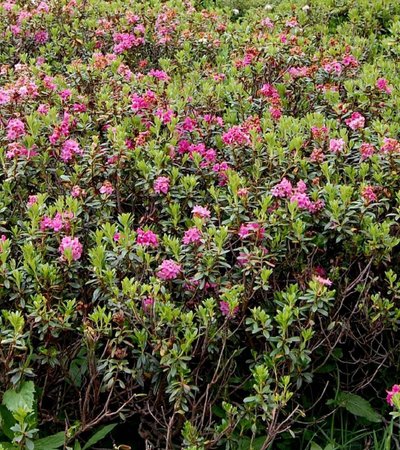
(99, 435)
(7, 421)
(358, 406)
(51, 442)
(315, 446)
(23, 398)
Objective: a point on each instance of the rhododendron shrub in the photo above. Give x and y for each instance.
(199, 215)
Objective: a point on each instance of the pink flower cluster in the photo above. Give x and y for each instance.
(236, 136)
(106, 188)
(383, 85)
(61, 221)
(169, 269)
(390, 394)
(298, 195)
(125, 41)
(161, 185)
(252, 228)
(192, 236)
(227, 311)
(202, 212)
(70, 244)
(15, 129)
(273, 97)
(390, 145)
(369, 195)
(336, 145)
(15, 150)
(366, 150)
(69, 149)
(146, 238)
(355, 121)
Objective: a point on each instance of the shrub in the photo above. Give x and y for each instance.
(200, 213)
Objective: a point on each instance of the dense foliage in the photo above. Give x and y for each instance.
(199, 210)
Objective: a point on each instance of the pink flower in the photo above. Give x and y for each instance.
(369, 195)
(106, 188)
(70, 244)
(76, 191)
(366, 150)
(390, 145)
(356, 121)
(236, 136)
(32, 200)
(15, 129)
(43, 109)
(117, 236)
(192, 236)
(382, 85)
(146, 238)
(159, 74)
(147, 304)
(251, 228)
(243, 259)
(322, 280)
(161, 185)
(41, 37)
(243, 192)
(226, 309)
(65, 94)
(282, 189)
(336, 145)
(200, 211)
(390, 394)
(302, 200)
(69, 149)
(168, 270)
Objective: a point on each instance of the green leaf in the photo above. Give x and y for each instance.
(7, 421)
(99, 435)
(51, 442)
(315, 446)
(358, 406)
(7, 446)
(23, 398)
(77, 446)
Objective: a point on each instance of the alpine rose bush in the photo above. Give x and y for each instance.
(199, 220)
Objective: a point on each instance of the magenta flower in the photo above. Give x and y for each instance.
(106, 188)
(72, 244)
(200, 211)
(369, 195)
(390, 394)
(251, 228)
(147, 304)
(161, 185)
(382, 85)
(282, 189)
(146, 238)
(336, 145)
(390, 145)
(356, 121)
(41, 37)
(69, 149)
(236, 136)
(32, 200)
(366, 150)
(192, 236)
(322, 280)
(168, 270)
(15, 129)
(226, 310)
